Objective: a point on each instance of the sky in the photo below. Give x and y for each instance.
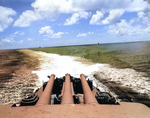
(48, 23)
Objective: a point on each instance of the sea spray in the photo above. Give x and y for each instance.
(60, 65)
(126, 78)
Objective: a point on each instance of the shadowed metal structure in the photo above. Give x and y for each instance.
(45, 98)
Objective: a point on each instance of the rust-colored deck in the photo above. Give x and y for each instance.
(124, 110)
(89, 108)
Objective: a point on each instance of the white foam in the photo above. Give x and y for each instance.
(126, 77)
(60, 65)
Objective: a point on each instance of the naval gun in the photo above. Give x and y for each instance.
(67, 90)
(72, 97)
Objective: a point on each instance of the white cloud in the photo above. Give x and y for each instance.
(107, 5)
(26, 18)
(84, 34)
(8, 40)
(76, 17)
(113, 17)
(141, 14)
(100, 4)
(51, 6)
(124, 28)
(144, 17)
(96, 18)
(47, 31)
(57, 35)
(70, 6)
(12, 38)
(138, 5)
(50, 9)
(18, 33)
(5, 19)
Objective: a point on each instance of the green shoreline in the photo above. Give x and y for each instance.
(96, 53)
(100, 53)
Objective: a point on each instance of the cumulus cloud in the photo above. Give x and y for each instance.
(26, 18)
(47, 31)
(5, 19)
(124, 28)
(57, 35)
(96, 18)
(100, 4)
(138, 5)
(113, 17)
(76, 17)
(50, 9)
(144, 17)
(84, 34)
(12, 38)
(43, 9)
(71, 6)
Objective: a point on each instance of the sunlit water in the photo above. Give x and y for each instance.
(137, 55)
(60, 65)
(135, 78)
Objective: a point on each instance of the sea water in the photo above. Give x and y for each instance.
(136, 77)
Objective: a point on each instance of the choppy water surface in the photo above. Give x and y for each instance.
(137, 55)
(130, 83)
(122, 69)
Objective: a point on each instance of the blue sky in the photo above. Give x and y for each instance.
(46, 23)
